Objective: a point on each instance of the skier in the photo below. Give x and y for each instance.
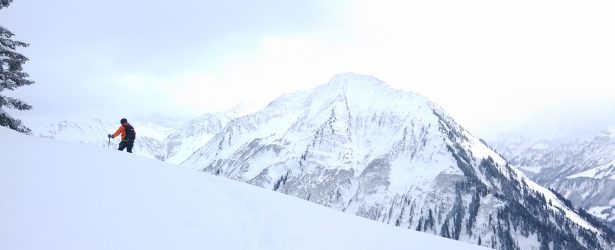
(128, 135)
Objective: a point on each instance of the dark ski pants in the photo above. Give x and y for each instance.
(127, 145)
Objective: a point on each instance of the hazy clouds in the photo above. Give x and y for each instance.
(128, 55)
(490, 64)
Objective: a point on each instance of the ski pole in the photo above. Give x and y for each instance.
(109, 144)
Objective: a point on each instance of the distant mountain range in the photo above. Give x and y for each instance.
(166, 139)
(581, 170)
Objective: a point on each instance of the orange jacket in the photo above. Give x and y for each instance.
(121, 130)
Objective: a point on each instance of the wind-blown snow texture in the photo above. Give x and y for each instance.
(359, 146)
(65, 196)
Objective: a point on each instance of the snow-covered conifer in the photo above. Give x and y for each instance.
(11, 76)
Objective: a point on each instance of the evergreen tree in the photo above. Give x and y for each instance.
(11, 76)
(430, 221)
(5, 3)
(419, 227)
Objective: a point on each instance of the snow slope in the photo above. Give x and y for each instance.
(62, 195)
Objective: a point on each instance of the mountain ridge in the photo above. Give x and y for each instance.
(166, 140)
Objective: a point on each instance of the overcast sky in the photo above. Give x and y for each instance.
(489, 63)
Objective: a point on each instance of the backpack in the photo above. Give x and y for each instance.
(130, 133)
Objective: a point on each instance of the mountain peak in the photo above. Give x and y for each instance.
(350, 78)
(365, 92)
(355, 91)
(349, 81)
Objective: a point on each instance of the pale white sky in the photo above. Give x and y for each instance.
(488, 63)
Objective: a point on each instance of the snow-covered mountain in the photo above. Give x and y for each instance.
(65, 196)
(359, 146)
(592, 159)
(583, 172)
(185, 140)
(167, 139)
(532, 150)
(535, 157)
